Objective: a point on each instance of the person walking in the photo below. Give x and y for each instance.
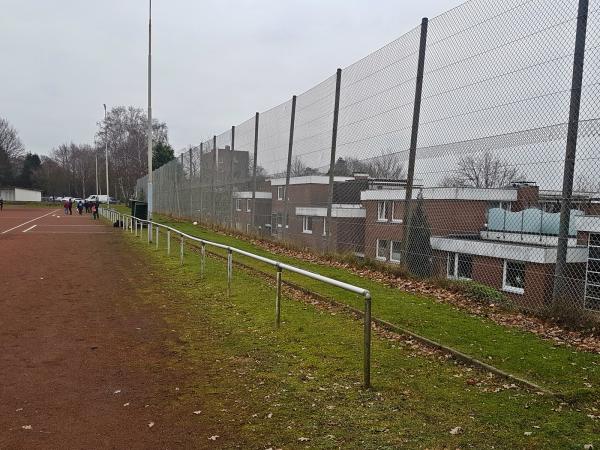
(66, 207)
(95, 207)
(70, 206)
(80, 207)
(1, 203)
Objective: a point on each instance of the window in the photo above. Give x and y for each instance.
(382, 249)
(307, 224)
(460, 266)
(279, 220)
(248, 205)
(396, 251)
(514, 277)
(238, 204)
(396, 211)
(280, 192)
(382, 208)
(324, 226)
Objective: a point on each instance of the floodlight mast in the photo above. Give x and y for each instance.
(149, 193)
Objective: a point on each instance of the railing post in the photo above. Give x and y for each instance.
(169, 242)
(135, 222)
(414, 137)
(202, 259)
(336, 112)
(157, 229)
(367, 342)
(149, 232)
(181, 251)
(570, 153)
(278, 298)
(229, 271)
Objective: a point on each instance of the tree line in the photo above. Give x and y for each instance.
(70, 169)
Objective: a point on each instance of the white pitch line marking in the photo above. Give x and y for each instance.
(29, 221)
(30, 228)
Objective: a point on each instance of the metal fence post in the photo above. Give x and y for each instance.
(215, 172)
(231, 206)
(181, 251)
(336, 113)
(135, 222)
(200, 189)
(288, 167)
(168, 242)
(229, 271)
(191, 185)
(367, 342)
(149, 232)
(414, 136)
(278, 298)
(256, 118)
(157, 229)
(570, 153)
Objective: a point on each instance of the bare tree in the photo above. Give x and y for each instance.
(125, 131)
(387, 165)
(482, 171)
(584, 184)
(300, 169)
(10, 141)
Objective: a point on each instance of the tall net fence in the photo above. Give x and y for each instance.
(466, 149)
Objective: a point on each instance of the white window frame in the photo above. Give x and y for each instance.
(454, 276)
(506, 287)
(382, 205)
(238, 204)
(394, 220)
(377, 256)
(305, 229)
(324, 226)
(280, 192)
(248, 205)
(392, 251)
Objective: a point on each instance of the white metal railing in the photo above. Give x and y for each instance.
(136, 225)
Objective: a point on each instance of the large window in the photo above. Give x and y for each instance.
(248, 204)
(324, 226)
(382, 211)
(307, 224)
(396, 251)
(238, 204)
(460, 266)
(280, 192)
(396, 211)
(383, 249)
(514, 277)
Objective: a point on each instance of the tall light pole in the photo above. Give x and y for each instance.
(150, 111)
(106, 155)
(96, 155)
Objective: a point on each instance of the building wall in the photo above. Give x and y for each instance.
(262, 216)
(20, 195)
(445, 217)
(539, 280)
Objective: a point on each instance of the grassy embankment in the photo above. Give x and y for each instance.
(275, 386)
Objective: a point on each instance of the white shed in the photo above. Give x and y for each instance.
(20, 195)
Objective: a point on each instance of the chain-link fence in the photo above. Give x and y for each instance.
(465, 149)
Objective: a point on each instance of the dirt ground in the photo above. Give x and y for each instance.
(85, 362)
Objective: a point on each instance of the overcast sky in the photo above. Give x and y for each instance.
(215, 62)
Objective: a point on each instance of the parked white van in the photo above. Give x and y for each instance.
(100, 198)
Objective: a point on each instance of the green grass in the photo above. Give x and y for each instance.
(557, 368)
(307, 374)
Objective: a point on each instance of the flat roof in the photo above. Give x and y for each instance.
(449, 193)
(311, 179)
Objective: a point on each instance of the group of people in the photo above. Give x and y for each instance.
(90, 207)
